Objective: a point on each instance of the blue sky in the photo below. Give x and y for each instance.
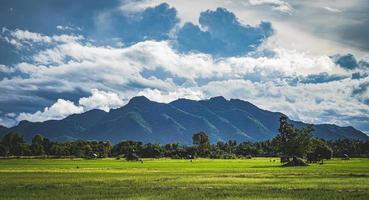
(307, 59)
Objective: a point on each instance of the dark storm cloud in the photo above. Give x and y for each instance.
(224, 35)
(154, 23)
(349, 62)
(321, 78)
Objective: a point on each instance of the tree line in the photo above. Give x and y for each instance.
(290, 142)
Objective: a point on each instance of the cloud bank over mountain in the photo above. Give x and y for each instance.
(81, 62)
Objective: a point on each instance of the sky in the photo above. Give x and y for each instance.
(307, 59)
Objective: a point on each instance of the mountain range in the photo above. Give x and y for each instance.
(175, 122)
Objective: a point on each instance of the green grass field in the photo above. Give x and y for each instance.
(258, 178)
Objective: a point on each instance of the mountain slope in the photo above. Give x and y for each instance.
(149, 121)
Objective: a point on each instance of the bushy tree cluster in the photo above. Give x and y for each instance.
(13, 144)
(353, 148)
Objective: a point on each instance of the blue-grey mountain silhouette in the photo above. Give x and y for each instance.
(175, 122)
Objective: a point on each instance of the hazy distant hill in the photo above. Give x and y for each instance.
(149, 121)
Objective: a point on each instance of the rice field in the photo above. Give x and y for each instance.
(257, 178)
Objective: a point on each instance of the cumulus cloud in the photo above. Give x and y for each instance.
(59, 110)
(101, 100)
(166, 97)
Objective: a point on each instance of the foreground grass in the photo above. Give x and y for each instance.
(258, 178)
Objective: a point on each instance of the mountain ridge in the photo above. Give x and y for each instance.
(175, 122)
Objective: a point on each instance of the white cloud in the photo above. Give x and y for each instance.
(59, 110)
(6, 69)
(20, 38)
(166, 97)
(26, 35)
(101, 100)
(112, 69)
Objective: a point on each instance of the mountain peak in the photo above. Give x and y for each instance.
(218, 99)
(24, 122)
(139, 99)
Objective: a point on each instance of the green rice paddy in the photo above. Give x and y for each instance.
(258, 178)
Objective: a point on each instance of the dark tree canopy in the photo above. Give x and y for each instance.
(200, 139)
(292, 141)
(37, 147)
(321, 149)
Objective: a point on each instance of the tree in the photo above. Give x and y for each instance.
(104, 149)
(201, 140)
(292, 142)
(60, 149)
(87, 150)
(321, 150)
(3, 150)
(37, 147)
(151, 151)
(47, 144)
(246, 149)
(14, 144)
(127, 147)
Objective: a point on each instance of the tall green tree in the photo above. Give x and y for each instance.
(201, 141)
(14, 144)
(37, 147)
(103, 149)
(292, 141)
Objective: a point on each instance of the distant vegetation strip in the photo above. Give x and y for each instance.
(290, 142)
